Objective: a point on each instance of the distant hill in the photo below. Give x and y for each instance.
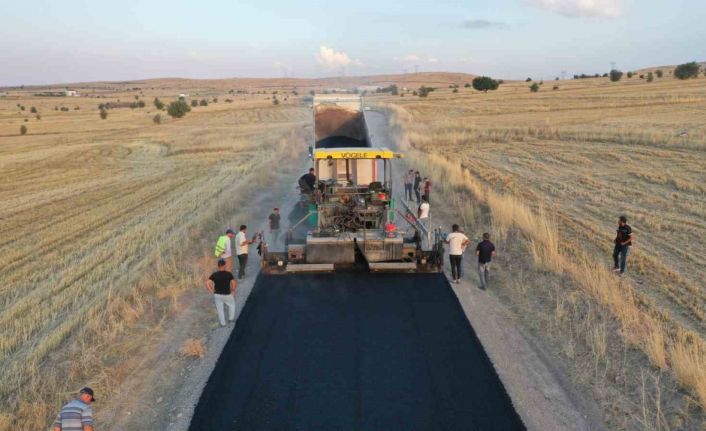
(411, 80)
(665, 68)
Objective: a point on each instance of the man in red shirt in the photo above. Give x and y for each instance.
(427, 188)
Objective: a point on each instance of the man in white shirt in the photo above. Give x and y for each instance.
(241, 244)
(457, 242)
(423, 212)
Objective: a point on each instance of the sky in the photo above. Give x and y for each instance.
(44, 42)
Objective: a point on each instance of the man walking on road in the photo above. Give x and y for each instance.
(242, 243)
(274, 225)
(457, 242)
(485, 250)
(224, 250)
(222, 285)
(408, 184)
(623, 240)
(416, 185)
(77, 415)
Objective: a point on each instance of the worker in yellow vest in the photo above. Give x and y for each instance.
(223, 249)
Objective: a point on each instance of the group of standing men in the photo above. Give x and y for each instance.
(485, 250)
(416, 187)
(222, 283)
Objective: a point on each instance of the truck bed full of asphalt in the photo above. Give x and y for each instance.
(354, 352)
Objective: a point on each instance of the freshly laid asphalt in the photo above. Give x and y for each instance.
(354, 352)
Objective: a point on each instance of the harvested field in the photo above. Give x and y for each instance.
(549, 173)
(103, 225)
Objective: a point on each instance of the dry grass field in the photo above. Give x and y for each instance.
(106, 226)
(549, 173)
(102, 222)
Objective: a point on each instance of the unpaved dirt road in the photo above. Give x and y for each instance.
(354, 352)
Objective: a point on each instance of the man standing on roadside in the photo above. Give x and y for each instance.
(408, 184)
(77, 415)
(242, 243)
(274, 225)
(224, 250)
(222, 285)
(427, 188)
(623, 240)
(457, 242)
(485, 250)
(423, 211)
(417, 185)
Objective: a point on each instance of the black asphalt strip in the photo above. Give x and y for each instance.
(354, 352)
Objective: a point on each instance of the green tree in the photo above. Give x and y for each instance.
(275, 101)
(485, 83)
(158, 103)
(687, 70)
(630, 74)
(194, 103)
(615, 75)
(534, 87)
(103, 114)
(659, 73)
(23, 130)
(556, 87)
(33, 110)
(157, 119)
(528, 80)
(178, 109)
(424, 91)
(203, 102)
(650, 77)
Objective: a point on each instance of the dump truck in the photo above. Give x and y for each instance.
(352, 216)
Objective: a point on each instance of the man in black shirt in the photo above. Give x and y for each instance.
(307, 182)
(222, 285)
(623, 240)
(485, 250)
(274, 225)
(416, 186)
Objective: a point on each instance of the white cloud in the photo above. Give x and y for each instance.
(580, 8)
(330, 59)
(410, 57)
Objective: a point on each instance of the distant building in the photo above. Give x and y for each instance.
(70, 93)
(183, 95)
(368, 88)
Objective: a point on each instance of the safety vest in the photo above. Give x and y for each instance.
(221, 245)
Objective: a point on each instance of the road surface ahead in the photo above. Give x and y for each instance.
(354, 352)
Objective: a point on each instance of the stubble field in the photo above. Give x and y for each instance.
(97, 219)
(549, 173)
